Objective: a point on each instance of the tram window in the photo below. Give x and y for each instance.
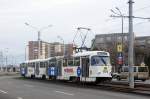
(142, 69)
(46, 64)
(70, 62)
(134, 69)
(77, 62)
(37, 64)
(22, 65)
(25, 65)
(42, 65)
(126, 69)
(29, 64)
(65, 63)
(33, 65)
(52, 64)
(100, 60)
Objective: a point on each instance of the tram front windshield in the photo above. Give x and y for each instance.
(100, 60)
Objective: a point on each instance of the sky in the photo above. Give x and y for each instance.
(65, 16)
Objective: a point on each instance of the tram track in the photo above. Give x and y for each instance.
(140, 89)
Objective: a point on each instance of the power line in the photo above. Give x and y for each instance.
(141, 8)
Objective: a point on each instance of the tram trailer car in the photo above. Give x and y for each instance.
(34, 68)
(89, 66)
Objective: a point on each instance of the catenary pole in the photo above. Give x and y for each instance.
(131, 45)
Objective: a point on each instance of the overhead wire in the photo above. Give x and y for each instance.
(141, 8)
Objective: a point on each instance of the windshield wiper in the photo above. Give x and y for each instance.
(103, 61)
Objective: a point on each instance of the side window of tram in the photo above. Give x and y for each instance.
(126, 69)
(93, 61)
(77, 62)
(134, 69)
(29, 64)
(37, 64)
(65, 63)
(42, 65)
(33, 65)
(46, 64)
(52, 64)
(70, 63)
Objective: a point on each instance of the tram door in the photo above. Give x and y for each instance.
(85, 67)
(37, 71)
(59, 64)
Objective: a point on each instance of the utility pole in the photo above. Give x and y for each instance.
(131, 45)
(26, 52)
(1, 59)
(39, 44)
(6, 59)
(131, 41)
(39, 37)
(64, 52)
(122, 40)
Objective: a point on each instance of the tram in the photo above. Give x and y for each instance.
(88, 66)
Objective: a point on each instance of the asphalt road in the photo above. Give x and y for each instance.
(15, 88)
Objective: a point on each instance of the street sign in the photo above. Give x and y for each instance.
(78, 71)
(22, 71)
(119, 48)
(120, 58)
(52, 71)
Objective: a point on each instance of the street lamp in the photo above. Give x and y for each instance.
(39, 35)
(122, 21)
(27, 46)
(6, 59)
(63, 44)
(1, 58)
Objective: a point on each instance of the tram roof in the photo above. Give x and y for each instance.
(89, 53)
(39, 60)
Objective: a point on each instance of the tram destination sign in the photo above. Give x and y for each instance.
(102, 54)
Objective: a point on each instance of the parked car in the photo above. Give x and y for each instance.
(140, 73)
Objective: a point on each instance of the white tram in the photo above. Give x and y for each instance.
(34, 68)
(89, 66)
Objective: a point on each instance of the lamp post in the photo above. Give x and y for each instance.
(1, 58)
(26, 52)
(122, 22)
(63, 44)
(6, 59)
(39, 36)
(131, 45)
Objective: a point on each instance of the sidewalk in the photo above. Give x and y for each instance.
(8, 73)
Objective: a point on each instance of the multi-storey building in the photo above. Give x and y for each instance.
(33, 50)
(111, 42)
(48, 49)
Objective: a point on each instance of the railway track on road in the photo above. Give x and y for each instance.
(140, 88)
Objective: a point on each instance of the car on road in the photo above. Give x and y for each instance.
(140, 73)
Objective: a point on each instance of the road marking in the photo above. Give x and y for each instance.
(1, 91)
(19, 98)
(70, 94)
(27, 85)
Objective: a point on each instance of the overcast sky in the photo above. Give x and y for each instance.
(65, 16)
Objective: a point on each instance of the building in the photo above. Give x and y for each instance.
(33, 50)
(117, 45)
(68, 49)
(48, 49)
(142, 46)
